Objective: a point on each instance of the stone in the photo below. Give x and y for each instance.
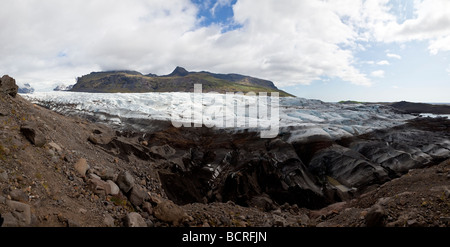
(125, 181)
(134, 219)
(8, 86)
(376, 216)
(3, 113)
(165, 151)
(447, 192)
(18, 195)
(262, 202)
(147, 207)
(94, 176)
(9, 220)
(93, 139)
(138, 195)
(168, 211)
(81, 166)
(99, 186)
(106, 173)
(2, 199)
(279, 221)
(33, 134)
(414, 223)
(109, 221)
(155, 198)
(72, 223)
(304, 219)
(3, 177)
(21, 213)
(6, 151)
(55, 147)
(115, 190)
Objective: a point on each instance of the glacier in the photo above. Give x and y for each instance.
(301, 118)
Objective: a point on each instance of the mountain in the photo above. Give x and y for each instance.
(180, 80)
(26, 88)
(63, 87)
(410, 107)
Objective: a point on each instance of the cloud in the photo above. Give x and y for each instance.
(289, 42)
(383, 62)
(378, 73)
(430, 22)
(392, 55)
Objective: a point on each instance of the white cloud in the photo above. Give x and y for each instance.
(383, 62)
(430, 22)
(392, 55)
(378, 73)
(289, 42)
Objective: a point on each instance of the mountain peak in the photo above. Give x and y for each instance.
(179, 71)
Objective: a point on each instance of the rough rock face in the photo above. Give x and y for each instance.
(224, 167)
(8, 86)
(347, 166)
(204, 165)
(33, 134)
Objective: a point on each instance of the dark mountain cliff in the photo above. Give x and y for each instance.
(180, 80)
(410, 107)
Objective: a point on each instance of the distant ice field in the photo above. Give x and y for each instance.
(302, 118)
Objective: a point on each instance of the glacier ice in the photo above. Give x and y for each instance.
(299, 117)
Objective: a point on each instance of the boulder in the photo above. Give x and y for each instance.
(20, 215)
(3, 112)
(263, 202)
(170, 212)
(18, 195)
(8, 86)
(134, 220)
(81, 166)
(107, 173)
(138, 195)
(376, 216)
(55, 147)
(3, 177)
(108, 221)
(165, 151)
(115, 190)
(147, 207)
(125, 181)
(33, 134)
(99, 187)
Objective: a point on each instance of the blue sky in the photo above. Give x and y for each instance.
(365, 50)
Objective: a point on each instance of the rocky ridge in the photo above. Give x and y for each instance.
(67, 171)
(180, 80)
